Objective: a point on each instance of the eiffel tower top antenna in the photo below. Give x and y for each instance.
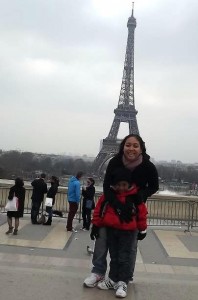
(132, 9)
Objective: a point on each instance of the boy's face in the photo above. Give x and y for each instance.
(121, 186)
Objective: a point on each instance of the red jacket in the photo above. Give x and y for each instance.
(111, 218)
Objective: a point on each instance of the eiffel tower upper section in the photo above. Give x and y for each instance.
(125, 111)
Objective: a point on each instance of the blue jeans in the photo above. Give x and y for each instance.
(99, 260)
(133, 256)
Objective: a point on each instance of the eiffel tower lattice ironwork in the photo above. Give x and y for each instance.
(125, 111)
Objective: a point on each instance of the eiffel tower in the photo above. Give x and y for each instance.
(125, 111)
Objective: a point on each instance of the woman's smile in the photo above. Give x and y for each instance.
(132, 149)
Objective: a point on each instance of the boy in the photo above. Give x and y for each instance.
(120, 235)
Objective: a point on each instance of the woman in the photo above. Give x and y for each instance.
(18, 191)
(132, 155)
(88, 203)
(51, 194)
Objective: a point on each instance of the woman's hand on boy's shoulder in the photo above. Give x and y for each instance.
(138, 198)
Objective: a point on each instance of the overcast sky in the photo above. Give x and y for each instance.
(61, 64)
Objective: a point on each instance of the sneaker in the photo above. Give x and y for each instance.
(121, 291)
(72, 230)
(84, 229)
(89, 250)
(9, 230)
(131, 280)
(106, 284)
(93, 280)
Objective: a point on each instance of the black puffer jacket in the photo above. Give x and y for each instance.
(88, 194)
(39, 189)
(52, 191)
(19, 192)
(145, 176)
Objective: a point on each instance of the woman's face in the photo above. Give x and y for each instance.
(132, 149)
(88, 182)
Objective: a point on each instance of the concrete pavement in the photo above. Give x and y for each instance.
(48, 263)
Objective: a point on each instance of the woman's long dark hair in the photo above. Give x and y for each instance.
(92, 180)
(55, 179)
(140, 140)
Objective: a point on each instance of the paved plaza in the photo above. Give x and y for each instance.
(47, 262)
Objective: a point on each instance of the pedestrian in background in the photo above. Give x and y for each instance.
(39, 189)
(73, 197)
(51, 194)
(88, 193)
(18, 191)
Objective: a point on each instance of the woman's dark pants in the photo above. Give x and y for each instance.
(86, 215)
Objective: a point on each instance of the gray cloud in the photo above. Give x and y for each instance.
(61, 65)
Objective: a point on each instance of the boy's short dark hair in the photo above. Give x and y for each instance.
(121, 174)
(43, 175)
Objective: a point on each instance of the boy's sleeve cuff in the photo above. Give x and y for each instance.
(144, 231)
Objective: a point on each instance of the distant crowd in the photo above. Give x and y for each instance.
(17, 195)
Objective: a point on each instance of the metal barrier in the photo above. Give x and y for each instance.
(61, 203)
(162, 210)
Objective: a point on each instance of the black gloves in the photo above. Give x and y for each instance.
(94, 232)
(131, 204)
(139, 198)
(141, 235)
(123, 210)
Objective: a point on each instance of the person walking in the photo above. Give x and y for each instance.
(18, 191)
(39, 189)
(51, 194)
(88, 194)
(121, 235)
(132, 156)
(73, 197)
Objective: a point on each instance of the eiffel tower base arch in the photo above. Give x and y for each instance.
(108, 150)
